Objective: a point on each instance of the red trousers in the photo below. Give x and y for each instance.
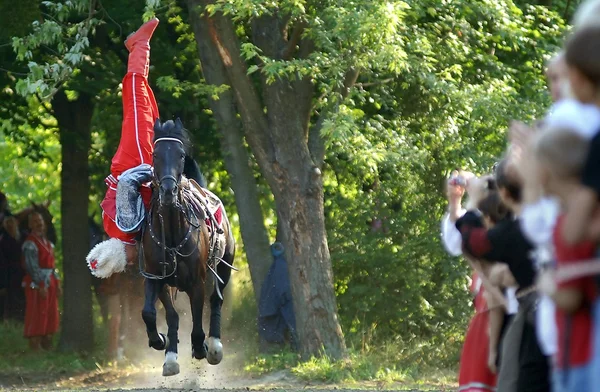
(137, 131)
(41, 314)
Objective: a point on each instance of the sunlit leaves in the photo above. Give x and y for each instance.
(178, 88)
(66, 41)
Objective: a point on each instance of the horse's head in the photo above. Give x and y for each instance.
(171, 144)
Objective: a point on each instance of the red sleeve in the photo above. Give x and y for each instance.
(574, 254)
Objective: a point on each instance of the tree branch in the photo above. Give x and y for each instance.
(316, 143)
(217, 34)
(293, 41)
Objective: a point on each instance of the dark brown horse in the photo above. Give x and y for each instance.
(182, 242)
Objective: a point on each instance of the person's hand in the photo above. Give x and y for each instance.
(454, 192)
(520, 135)
(491, 361)
(546, 283)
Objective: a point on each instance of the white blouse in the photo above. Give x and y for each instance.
(451, 237)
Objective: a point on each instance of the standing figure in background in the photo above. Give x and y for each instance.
(10, 248)
(41, 286)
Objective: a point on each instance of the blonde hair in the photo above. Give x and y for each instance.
(562, 150)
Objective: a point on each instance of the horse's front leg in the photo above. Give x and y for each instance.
(152, 289)
(196, 295)
(214, 345)
(170, 367)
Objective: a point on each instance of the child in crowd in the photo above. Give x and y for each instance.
(560, 155)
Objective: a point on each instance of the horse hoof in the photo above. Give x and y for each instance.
(199, 354)
(161, 344)
(214, 354)
(170, 369)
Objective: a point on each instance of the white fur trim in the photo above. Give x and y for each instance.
(170, 357)
(107, 258)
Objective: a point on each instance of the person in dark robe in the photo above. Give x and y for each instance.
(12, 272)
(276, 320)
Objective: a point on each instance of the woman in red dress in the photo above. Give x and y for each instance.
(41, 286)
(477, 366)
(474, 374)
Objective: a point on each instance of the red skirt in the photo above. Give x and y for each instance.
(41, 314)
(474, 375)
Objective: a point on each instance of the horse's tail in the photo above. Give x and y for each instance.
(191, 169)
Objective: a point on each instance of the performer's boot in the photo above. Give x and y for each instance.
(138, 45)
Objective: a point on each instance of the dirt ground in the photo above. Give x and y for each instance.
(194, 376)
(144, 373)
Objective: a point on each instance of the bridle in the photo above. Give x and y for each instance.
(161, 240)
(168, 176)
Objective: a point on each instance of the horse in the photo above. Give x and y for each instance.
(181, 241)
(42, 208)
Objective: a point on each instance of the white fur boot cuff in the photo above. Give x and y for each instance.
(107, 258)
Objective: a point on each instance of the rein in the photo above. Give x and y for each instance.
(161, 242)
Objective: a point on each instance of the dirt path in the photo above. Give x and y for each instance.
(145, 373)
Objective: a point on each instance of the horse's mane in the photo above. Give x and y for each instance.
(173, 129)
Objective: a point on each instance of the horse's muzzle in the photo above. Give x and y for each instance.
(168, 191)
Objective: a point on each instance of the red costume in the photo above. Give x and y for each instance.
(41, 313)
(137, 131)
(474, 374)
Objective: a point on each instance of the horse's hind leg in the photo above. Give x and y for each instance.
(152, 289)
(170, 367)
(196, 295)
(215, 347)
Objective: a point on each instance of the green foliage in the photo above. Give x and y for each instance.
(471, 68)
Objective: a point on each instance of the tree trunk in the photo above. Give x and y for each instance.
(279, 141)
(302, 224)
(237, 161)
(74, 121)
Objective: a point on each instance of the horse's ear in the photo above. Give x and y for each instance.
(157, 125)
(33, 204)
(47, 203)
(178, 123)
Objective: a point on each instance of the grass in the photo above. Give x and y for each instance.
(386, 365)
(17, 361)
(412, 364)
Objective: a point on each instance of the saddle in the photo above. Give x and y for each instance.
(202, 199)
(207, 204)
